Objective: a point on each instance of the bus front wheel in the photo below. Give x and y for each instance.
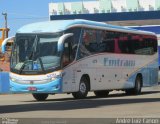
(40, 96)
(83, 89)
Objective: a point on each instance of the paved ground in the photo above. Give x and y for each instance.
(117, 105)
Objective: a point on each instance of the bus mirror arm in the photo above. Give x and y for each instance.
(3, 47)
(62, 40)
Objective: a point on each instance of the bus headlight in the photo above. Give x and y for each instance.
(54, 76)
(58, 75)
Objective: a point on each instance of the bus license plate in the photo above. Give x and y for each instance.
(32, 88)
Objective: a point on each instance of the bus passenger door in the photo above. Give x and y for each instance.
(67, 59)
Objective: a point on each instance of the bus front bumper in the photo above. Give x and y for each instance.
(50, 87)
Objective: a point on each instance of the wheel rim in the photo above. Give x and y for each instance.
(82, 87)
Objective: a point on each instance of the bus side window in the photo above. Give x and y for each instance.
(110, 46)
(107, 43)
(68, 55)
(75, 39)
(84, 48)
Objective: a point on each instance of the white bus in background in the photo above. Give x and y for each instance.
(78, 56)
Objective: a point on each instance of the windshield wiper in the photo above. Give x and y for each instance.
(23, 65)
(41, 63)
(33, 50)
(30, 57)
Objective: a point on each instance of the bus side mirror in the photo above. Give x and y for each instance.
(62, 40)
(3, 47)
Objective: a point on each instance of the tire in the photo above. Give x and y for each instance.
(101, 93)
(40, 96)
(138, 85)
(137, 88)
(83, 89)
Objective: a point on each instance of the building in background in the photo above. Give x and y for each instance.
(102, 6)
(118, 12)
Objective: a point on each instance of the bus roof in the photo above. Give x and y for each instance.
(61, 25)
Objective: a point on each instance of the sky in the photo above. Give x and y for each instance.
(21, 12)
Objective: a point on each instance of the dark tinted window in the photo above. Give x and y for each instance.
(96, 41)
(67, 57)
(138, 44)
(89, 44)
(75, 39)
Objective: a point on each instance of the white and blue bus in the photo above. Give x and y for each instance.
(78, 56)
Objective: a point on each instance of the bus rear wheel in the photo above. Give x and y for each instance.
(103, 93)
(40, 96)
(83, 89)
(137, 88)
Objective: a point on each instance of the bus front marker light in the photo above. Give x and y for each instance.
(52, 79)
(13, 79)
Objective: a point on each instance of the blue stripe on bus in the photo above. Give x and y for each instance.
(149, 75)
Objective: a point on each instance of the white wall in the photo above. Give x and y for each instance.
(68, 8)
(145, 4)
(53, 8)
(118, 4)
(91, 6)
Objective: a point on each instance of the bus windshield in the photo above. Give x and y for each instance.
(35, 53)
